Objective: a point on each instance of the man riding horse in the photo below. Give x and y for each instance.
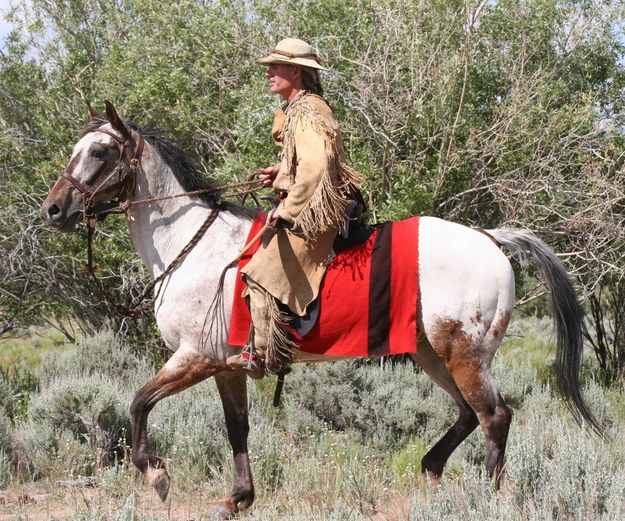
(316, 192)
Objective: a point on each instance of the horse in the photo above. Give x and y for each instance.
(466, 296)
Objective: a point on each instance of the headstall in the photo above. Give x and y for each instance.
(129, 159)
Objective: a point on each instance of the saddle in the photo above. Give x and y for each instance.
(369, 297)
(357, 233)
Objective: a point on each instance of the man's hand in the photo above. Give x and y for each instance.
(274, 215)
(267, 175)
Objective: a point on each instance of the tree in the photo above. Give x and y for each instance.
(488, 113)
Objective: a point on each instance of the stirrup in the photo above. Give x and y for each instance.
(249, 362)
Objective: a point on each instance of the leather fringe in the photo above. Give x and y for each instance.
(326, 209)
(279, 344)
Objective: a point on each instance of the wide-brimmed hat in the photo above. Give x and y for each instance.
(292, 51)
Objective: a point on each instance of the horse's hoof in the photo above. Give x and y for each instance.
(430, 480)
(222, 512)
(224, 509)
(159, 479)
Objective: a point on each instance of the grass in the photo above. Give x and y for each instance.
(346, 445)
(25, 352)
(529, 342)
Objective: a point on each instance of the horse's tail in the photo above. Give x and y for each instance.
(567, 314)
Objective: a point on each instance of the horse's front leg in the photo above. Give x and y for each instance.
(232, 387)
(184, 369)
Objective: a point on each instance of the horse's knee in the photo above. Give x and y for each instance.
(136, 407)
(141, 404)
(498, 423)
(434, 461)
(467, 418)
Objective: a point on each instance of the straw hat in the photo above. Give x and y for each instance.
(292, 51)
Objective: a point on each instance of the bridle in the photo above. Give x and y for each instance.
(129, 159)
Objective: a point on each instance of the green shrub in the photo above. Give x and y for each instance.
(385, 406)
(5, 433)
(560, 469)
(515, 383)
(15, 389)
(189, 429)
(102, 354)
(6, 450)
(270, 456)
(8, 395)
(74, 426)
(6, 469)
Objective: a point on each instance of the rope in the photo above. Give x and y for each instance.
(143, 303)
(137, 307)
(123, 207)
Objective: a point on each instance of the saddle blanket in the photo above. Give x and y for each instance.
(368, 298)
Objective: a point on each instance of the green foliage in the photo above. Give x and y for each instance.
(8, 396)
(190, 429)
(75, 426)
(348, 441)
(384, 411)
(439, 115)
(15, 389)
(406, 462)
(103, 355)
(79, 420)
(6, 448)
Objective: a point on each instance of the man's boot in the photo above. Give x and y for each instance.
(252, 357)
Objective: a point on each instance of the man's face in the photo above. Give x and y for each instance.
(284, 79)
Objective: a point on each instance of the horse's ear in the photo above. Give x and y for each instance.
(115, 120)
(93, 113)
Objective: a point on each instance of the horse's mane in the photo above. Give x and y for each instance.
(182, 168)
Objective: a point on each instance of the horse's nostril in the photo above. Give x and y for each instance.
(53, 210)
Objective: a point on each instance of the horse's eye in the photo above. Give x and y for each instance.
(98, 153)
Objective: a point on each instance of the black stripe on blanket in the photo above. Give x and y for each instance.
(380, 292)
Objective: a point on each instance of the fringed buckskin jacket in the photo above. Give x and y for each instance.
(317, 183)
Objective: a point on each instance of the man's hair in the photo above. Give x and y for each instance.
(311, 81)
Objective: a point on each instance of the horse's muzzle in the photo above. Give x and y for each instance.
(56, 217)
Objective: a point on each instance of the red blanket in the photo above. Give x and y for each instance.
(369, 297)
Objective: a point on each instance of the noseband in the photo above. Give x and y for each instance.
(130, 155)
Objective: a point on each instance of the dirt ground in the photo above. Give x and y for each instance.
(40, 502)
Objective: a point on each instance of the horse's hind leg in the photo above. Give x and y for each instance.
(233, 391)
(468, 359)
(184, 369)
(434, 461)
(491, 409)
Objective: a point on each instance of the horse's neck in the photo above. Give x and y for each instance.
(161, 229)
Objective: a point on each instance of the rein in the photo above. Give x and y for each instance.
(123, 186)
(143, 303)
(124, 206)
